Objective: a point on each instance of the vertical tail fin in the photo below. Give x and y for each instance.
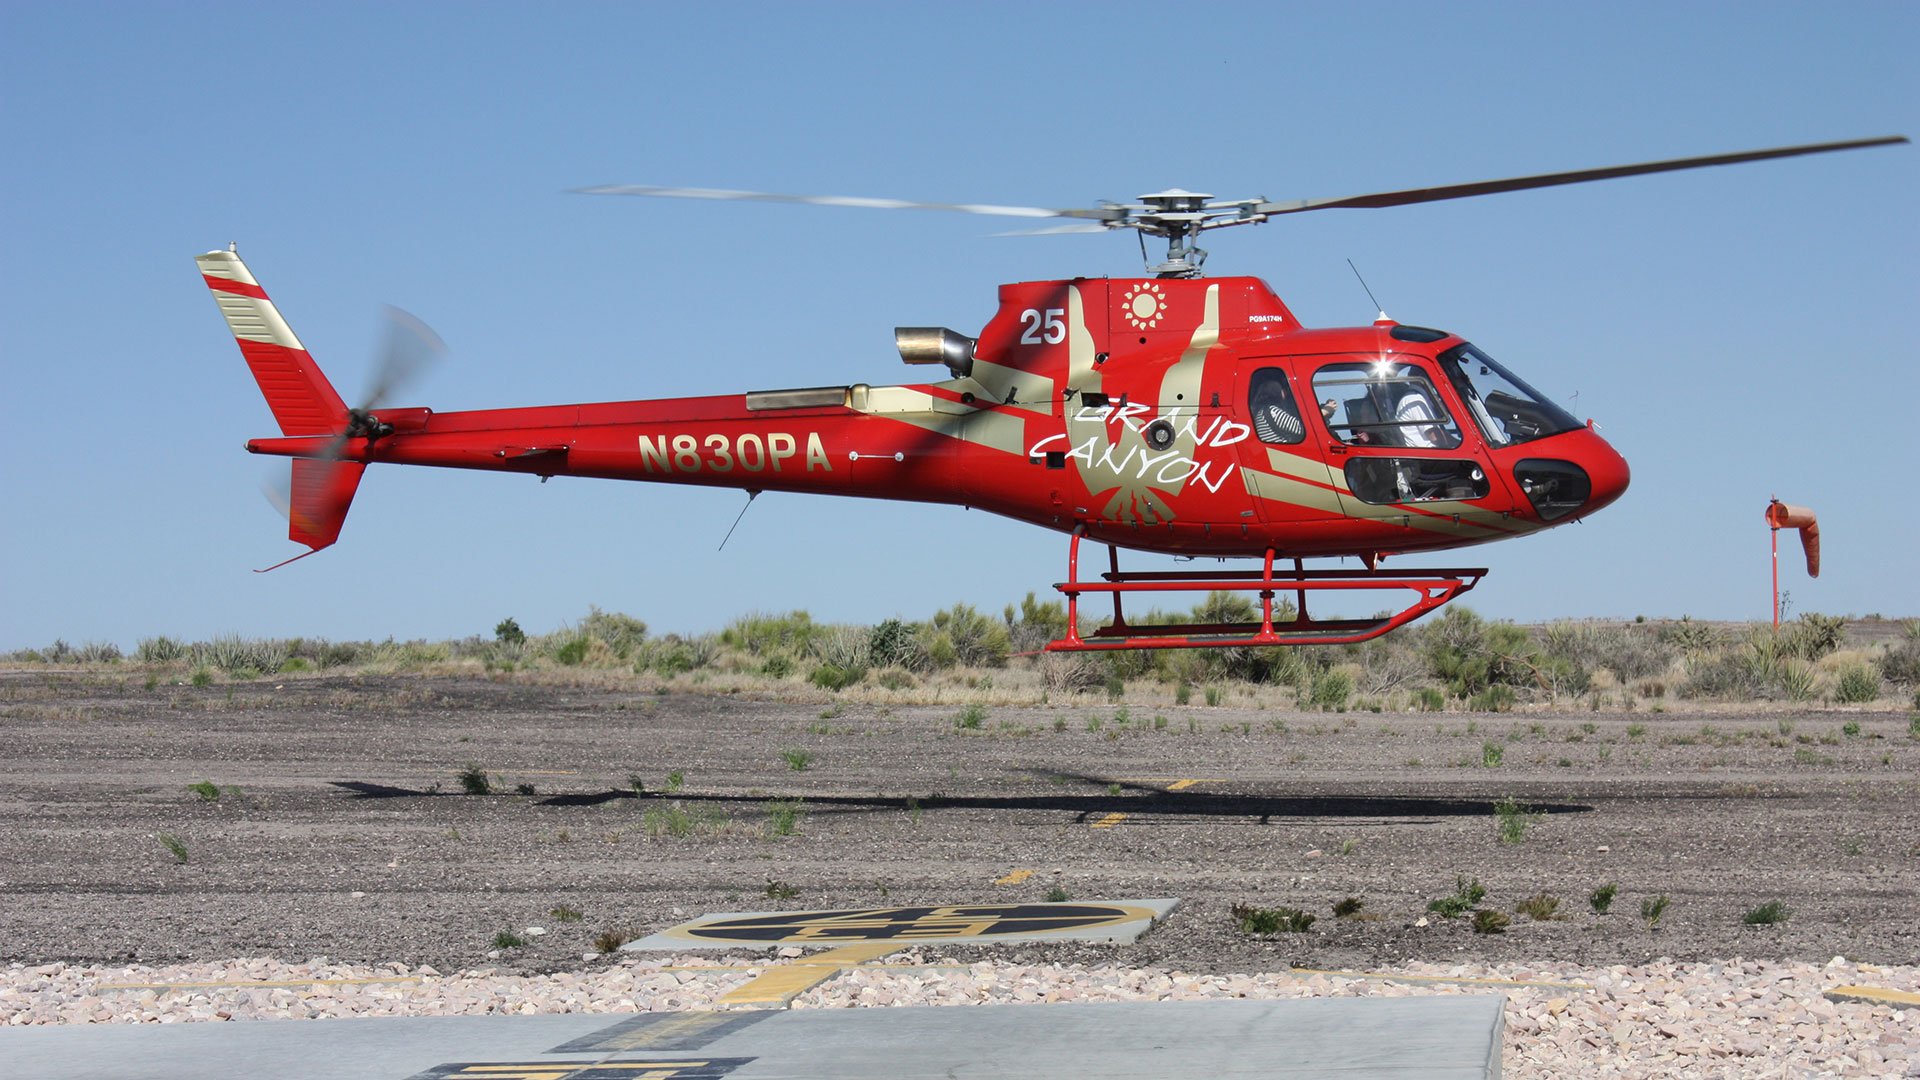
(302, 399)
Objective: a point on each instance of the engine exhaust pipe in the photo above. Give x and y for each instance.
(935, 345)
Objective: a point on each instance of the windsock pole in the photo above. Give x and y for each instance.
(1774, 531)
(1781, 516)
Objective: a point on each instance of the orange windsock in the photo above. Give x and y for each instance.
(1782, 516)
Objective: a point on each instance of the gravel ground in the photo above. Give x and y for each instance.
(338, 829)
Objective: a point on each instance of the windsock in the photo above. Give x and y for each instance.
(1782, 516)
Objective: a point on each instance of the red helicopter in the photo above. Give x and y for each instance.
(1173, 413)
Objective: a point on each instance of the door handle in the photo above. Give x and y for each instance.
(1336, 448)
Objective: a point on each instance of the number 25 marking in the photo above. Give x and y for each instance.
(1043, 329)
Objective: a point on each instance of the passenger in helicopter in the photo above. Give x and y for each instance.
(1276, 419)
(1414, 412)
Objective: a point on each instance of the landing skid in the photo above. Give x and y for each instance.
(1431, 589)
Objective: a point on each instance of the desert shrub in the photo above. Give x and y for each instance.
(474, 780)
(1688, 636)
(1748, 671)
(891, 644)
(1572, 651)
(1858, 683)
(1489, 921)
(160, 650)
(1471, 654)
(1331, 689)
(232, 653)
(968, 637)
(1466, 893)
(621, 634)
(1274, 920)
(844, 646)
(1513, 819)
(835, 677)
(1795, 679)
(1540, 907)
(760, 634)
(507, 632)
(98, 652)
(1813, 635)
(1498, 697)
(572, 649)
(1034, 623)
(668, 656)
(1386, 664)
(1900, 664)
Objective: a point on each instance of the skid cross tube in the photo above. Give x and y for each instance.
(1432, 588)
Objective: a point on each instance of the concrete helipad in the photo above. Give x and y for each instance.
(1103, 921)
(1435, 1038)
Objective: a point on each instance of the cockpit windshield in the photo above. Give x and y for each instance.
(1507, 409)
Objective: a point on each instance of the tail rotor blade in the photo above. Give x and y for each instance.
(410, 348)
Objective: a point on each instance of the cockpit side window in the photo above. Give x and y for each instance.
(1507, 409)
(1384, 403)
(1275, 413)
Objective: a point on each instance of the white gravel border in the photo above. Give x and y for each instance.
(1661, 1019)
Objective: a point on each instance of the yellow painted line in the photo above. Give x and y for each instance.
(777, 986)
(1391, 976)
(1874, 995)
(251, 985)
(1182, 780)
(1181, 785)
(1109, 821)
(1014, 878)
(561, 1069)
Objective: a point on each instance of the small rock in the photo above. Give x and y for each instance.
(1421, 921)
(789, 952)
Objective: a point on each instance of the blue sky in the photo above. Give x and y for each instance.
(1737, 332)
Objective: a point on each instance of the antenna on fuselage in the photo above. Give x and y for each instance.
(1381, 312)
(751, 495)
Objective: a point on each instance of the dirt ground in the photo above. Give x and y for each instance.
(349, 835)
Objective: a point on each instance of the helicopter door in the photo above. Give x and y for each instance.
(1395, 444)
(1281, 458)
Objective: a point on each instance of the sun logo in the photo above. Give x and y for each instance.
(1144, 305)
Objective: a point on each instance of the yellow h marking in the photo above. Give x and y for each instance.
(778, 986)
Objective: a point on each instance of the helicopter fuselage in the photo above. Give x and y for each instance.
(1187, 416)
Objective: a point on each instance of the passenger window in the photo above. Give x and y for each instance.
(1402, 480)
(1384, 403)
(1276, 416)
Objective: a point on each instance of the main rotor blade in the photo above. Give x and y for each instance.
(411, 347)
(859, 202)
(1522, 183)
